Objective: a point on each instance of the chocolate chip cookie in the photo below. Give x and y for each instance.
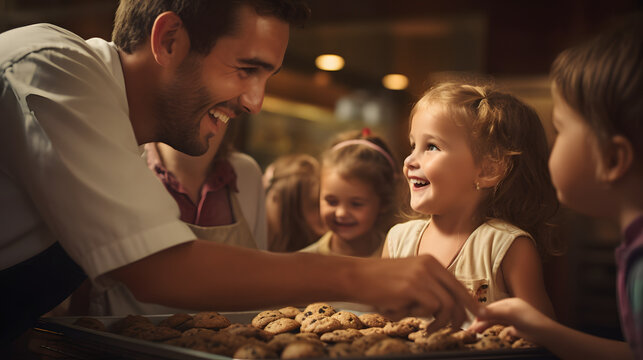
(282, 325)
(348, 320)
(439, 341)
(523, 344)
(303, 349)
(491, 342)
(209, 320)
(374, 320)
(388, 346)
(341, 335)
(372, 330)
(150, 332)
(320, 308)
(398, 329)
(290, 311)
(266, 317)
(343, 350)
(255, 351)
(319, 324)
(248, 331)
(175, 321)
(366, 341)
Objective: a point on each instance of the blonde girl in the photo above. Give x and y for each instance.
(292, 202)
(477, 175)
(358, 195)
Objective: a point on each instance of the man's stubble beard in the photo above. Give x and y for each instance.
(179, 108)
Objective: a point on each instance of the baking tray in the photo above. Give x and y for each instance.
(75, 342)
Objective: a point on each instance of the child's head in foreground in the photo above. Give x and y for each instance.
(479, 151)
(598, 114)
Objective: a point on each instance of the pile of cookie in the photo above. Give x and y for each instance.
(317, 331)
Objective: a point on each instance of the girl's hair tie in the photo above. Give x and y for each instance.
(366, 132)
(370, 145)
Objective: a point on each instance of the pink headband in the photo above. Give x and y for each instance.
(369, 144)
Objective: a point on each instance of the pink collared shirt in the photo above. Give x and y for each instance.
(214, 207)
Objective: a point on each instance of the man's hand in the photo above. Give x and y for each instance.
(418, 286)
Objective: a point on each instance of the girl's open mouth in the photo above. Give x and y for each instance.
(417, 183)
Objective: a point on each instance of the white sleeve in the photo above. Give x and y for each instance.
(68, 142)
(251, 196)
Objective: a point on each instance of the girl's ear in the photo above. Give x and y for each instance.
(491, 172)
(617, 159)
(169, 40)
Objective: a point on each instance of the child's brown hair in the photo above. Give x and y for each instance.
(506, 132)
(603, 81)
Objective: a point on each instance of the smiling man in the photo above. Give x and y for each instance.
(77, 200)
(181, 94)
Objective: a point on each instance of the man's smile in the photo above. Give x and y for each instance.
(218, 115)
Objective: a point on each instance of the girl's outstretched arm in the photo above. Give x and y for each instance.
(564, 342)
(523, 275)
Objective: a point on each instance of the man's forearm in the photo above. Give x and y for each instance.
(210, 276)
(207, 275)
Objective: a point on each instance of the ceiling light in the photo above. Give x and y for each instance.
(329, 62)
(395, 81)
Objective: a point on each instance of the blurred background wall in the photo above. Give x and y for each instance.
(511, 41)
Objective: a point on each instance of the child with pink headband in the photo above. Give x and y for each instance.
(359, 190)
(481, 192)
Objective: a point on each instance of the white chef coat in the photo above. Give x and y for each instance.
(70, 167)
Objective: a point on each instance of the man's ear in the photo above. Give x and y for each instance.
(169, 40)
(491, 172)
(617, 159)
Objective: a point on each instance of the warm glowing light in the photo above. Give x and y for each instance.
(395, 81)
(329, 62)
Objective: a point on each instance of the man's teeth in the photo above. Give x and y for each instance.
(219, 115)
(418, 182)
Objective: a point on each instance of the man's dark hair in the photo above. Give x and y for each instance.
(204, 20)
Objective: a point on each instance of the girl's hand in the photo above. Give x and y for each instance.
(524, 319)
(566, 343)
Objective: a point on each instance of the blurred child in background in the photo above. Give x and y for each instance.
(597, 168)
(358, 195)
(292, 202)
(478, 176)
